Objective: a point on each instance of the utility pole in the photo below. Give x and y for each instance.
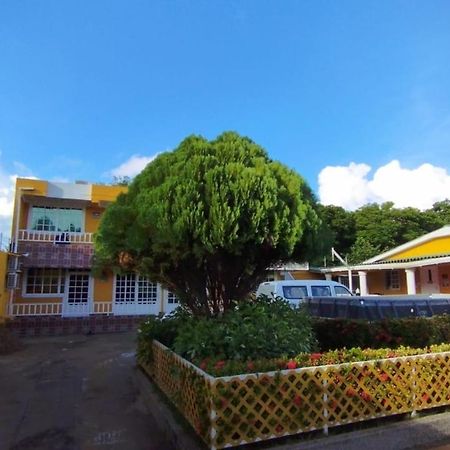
(334, 254)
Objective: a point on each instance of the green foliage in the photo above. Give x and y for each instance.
(221, 367)
(410, 331)
(207, 219)
(362, 250)
(375, 228)
(163, 329)
(262, 328)
(341, 225)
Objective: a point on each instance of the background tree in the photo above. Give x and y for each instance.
(342, 227)
(207, 220)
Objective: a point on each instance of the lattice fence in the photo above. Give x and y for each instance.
(230, 411)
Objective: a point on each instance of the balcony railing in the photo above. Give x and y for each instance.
(58, 309)
(55, 237)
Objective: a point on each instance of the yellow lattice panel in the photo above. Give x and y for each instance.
(249, 408)
(432, 381)
(230, 411)
(185, 385)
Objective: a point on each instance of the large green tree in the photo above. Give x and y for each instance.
(207, 219)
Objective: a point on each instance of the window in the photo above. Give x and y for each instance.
(342, 291)
(392, 279)
(172, 298)
(132, 288)
(44, 282)
(56, 219)
(295, 292)
(320, 291)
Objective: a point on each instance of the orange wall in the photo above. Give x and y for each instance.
(106, 193)
(103, 289)
(40, 188)
(92, 218)
(376, 283)
(305, 275)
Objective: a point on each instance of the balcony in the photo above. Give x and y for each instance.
(55, 249)
(56, 237)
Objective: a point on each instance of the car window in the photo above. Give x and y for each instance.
(321, 291)
(342, 291)
(295, 292)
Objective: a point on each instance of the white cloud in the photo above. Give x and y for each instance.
(134, 165)
(7, 188)
(351, 187)
(7, 183)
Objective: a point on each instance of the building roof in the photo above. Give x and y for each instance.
(440, 233)
(386, 259)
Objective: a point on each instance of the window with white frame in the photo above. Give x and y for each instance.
(172, 298)
(44, 282)
(132, 288)
(47, 218)
(392, 279)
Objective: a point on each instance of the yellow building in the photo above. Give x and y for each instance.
(421, 266)
(51, 255)
(3, 291)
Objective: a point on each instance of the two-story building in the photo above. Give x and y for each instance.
(49, 265)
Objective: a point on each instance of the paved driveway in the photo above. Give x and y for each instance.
(74, 393)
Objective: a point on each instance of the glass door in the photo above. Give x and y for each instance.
(77, 294)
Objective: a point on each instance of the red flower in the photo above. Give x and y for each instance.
(291, 364)
(350, 392)
(203, 365)
(333, 404)
(366, 397)
(219, 365)
(297, 400)
(391, 355)
(250, 366)
(384, 377)
(425, 397)
(315, 356)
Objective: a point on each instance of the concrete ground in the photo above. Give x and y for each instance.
(75, 393)
(85, 393)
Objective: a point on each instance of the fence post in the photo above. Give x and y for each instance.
(325, 404)
(413, 388)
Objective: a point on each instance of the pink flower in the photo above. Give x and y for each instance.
(291, 364)
(219, 365)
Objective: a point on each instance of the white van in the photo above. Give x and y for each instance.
(295, 290)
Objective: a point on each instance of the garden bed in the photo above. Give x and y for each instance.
(239, 409)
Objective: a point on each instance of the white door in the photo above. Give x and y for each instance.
(136, 295)
(171, 302)
(77, 297)
(429, 281)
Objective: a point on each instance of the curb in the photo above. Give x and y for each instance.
(411, 433)
(169, 423)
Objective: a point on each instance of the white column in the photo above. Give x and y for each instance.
(363, 282)
(410, 281)
(328, 276)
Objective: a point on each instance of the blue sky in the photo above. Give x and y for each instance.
(85, 86)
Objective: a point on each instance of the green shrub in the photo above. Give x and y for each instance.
(409, 331)
(261, 328)
(164, 329)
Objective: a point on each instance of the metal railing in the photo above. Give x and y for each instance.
(55, 237)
